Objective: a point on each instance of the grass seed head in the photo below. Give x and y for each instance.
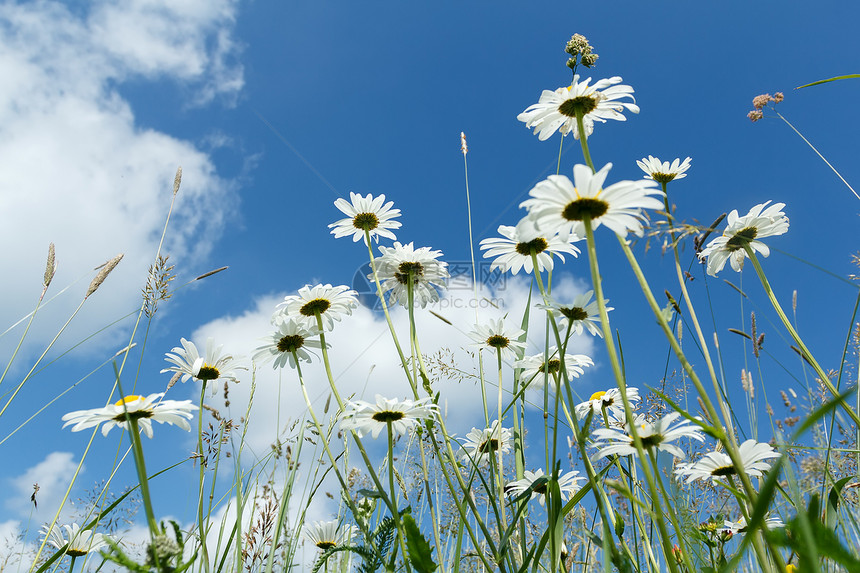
(50, 266)
(103, 273)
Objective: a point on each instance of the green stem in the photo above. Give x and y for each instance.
(332, 460)
(622, 387)
(583, 138)
(201, 525)
(825, 379)
(391, 329)
(140, 464)
(703, 344)
(719, 432)
(393, 496)
(600, 495)
(500, 417)
(326, 362)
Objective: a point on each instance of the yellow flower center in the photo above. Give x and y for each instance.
(128, 400)
(597, 395)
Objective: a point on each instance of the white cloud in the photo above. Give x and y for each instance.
(364, 363)
(364, 359)
(80, 171)
(53, 474)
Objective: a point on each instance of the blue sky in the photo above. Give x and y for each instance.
(274, 110)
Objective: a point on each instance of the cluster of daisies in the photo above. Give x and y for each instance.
(560, 212)
(140, 411)
(615, 438)
(558, 207)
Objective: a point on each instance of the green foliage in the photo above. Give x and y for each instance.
(419, 551)
(819, 82)
(827, 544)
(163, 554)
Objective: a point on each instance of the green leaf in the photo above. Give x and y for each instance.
(766, 492)
(420, 554)
(849, 76)
(619, 525)
(832, 508)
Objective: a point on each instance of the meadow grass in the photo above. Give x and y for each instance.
(668, 476)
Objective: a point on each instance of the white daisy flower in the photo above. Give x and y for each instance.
(556, 110)
(79, 542)
(657, 435)
(331, 303)
(212, 367)
(365, 214)
(366, 418)
(290, 336)
(327, 534)
(497, 336)
(513, 252)
(559, 205)
(399, 262)
(143, 409)
(663, 172)
(716, 465)
(760, 222)
(481, 445)
(582, 313)
(610, 400)
(534, 367)
(740, 526)
(568, 484)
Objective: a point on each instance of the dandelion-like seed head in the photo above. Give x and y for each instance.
(535, 246)
(590, 207)
(576, 44)
(290, 343)
(314, 307)
(588, 60)
(407, 268)
(760, 101)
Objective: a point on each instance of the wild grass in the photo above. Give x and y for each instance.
(667, 473)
